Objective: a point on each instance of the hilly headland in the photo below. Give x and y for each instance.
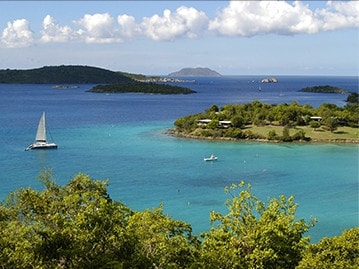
(64, 74)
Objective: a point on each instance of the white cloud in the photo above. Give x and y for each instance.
(249, 18)
(17, 34)
(52, 32)
(339, 15)
(128, 26)
(98, 28)
(238, 18)
(184, 22)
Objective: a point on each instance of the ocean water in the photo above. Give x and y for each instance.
(123, 138)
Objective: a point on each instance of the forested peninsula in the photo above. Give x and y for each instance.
(272, 122)
(78, 225)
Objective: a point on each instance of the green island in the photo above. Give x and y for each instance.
(273, 123)
(108, 81)
(324, 89)
(64, 74)
(141, 87)
(78, 225)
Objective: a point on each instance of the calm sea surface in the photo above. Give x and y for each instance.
(122, 137)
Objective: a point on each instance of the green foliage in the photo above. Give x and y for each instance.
(213, 108)
(272, 135)
(261, 114)
(332, 253)
(187, 124)
(300, 135)
(353, 98)
(160, 242)
(234, 133)
(254, 234)
(213, 124)
(64, 74)
(331, 123)
(351, 114)
(314, 124)
(141, 87)
(238, 121)
(285, 135)
(78, 226)
(137, 76)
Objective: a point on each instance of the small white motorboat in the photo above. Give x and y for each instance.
(211, 158)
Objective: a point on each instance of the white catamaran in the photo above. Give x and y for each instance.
(40, 139)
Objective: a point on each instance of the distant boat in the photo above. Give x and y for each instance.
(40, 139)
(211, 158)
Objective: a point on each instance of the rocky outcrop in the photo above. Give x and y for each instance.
(269, 80)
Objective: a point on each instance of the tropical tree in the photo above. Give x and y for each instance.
(285, 134)
(314, 124)
(254, 234)
(161, 242)
(272, 135)
(331, 123)
(332, 253)
(238, 121)
(75, 226)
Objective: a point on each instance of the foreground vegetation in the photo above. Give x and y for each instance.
(283, 122)
(79, 226)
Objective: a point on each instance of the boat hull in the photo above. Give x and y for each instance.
(210, 159)
(42, 146)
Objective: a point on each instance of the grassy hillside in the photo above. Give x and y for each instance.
(64, 74)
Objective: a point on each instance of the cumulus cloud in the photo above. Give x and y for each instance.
(53, 32)
(17, 34)
(339, 15)
(128, 26)
(98, 28)
(184, 22)
(249, 18)
(238, 18)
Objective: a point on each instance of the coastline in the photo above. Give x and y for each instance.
(175, 133)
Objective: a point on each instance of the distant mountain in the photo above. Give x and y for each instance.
(195, 72)
(64, 74)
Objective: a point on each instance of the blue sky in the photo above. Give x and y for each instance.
(160, 37)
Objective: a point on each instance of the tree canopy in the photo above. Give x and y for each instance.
(243, 117)
(78, 225)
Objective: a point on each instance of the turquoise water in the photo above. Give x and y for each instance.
(146, 167)
(123, 138)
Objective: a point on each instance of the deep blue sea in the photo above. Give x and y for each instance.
(122, 138)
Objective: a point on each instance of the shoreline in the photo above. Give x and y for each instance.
(347, 141)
